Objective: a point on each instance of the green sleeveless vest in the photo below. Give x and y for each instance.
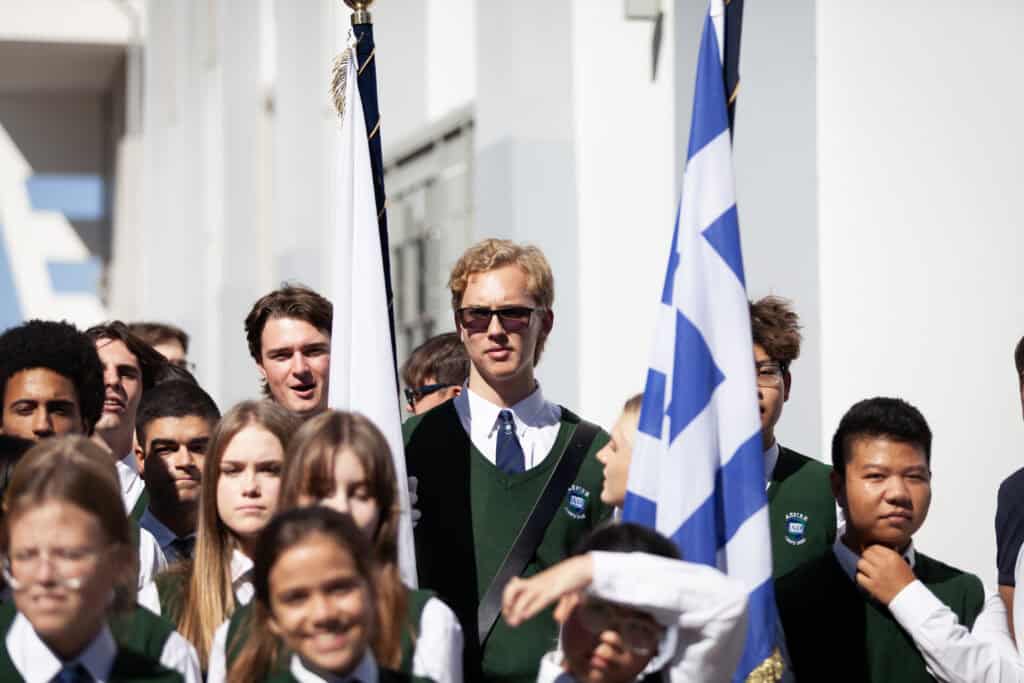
(130, 665)
(837, 633)
(471, 515)
(801, 511)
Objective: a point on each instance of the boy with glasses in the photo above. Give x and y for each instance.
(508, 481)
(435, 372)
(801, 510)
(632, 611)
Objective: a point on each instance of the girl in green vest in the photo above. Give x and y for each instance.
(342, 461)
(69, 560)
(315, 595)
(240, 485)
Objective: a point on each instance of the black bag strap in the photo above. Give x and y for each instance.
(531, 533)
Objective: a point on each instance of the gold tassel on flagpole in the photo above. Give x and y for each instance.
(339, 76)
(768, 671)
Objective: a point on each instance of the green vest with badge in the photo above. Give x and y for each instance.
(801, 511)
(472, 513)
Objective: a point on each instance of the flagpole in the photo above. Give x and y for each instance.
(366, 51)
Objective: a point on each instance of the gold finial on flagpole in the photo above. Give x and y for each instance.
(360, 11)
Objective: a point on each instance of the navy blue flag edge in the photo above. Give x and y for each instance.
(366, 53)
(731, 56)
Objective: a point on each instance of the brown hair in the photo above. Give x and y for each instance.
(309, 470)
(208, 598)
(290, 301)
(159, 333)
(74, 470)
(442, 357)
(151, 361)
(287, 530)
(776, 329)
(633, 404)
(491, 254)
(1018, 359)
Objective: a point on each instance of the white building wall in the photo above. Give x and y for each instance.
(919, 149)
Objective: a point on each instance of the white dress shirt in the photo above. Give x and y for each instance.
(771, 459)
(165, 538)
(132, 484)
(151, 558)
(951, 652)
(366, 672)
(537, 422)
(37, 663)
(438, 653)
(241, 577)
(704, 610)
(179, 655)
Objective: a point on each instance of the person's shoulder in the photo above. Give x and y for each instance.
(938, 573)
(443, 415)
(1011, 490)
(798, 462)
(601, 437)
(135, 667)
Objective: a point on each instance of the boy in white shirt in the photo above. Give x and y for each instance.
(630, 610)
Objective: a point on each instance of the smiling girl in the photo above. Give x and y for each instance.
(315, 596)
(241, 482)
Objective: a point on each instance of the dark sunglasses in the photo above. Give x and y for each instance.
(414, 394)
(512, 318)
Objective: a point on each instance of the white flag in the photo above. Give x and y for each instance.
(362, 360)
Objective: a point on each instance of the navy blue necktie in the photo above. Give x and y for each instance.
(510, 458)
(184, 547)
(73, 673)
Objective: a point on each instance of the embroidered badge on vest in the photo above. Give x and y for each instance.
(576, 501)
(796, 528)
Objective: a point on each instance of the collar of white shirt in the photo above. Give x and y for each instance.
(38, 664)
(241, 576)
(366, 672)
(537, 422)
(771, 459)
(131, 483)
(847, 559)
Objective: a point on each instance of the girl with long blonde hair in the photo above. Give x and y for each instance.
(240, 492)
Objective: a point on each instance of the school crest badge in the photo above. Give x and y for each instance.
(796, 528)
(576, 501)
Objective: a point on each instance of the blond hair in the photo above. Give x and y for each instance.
(74, 470)
(491, 254)
(208, 599)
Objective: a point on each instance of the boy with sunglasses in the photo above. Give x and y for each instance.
(484, 461)
(632, 611)
(435, 372)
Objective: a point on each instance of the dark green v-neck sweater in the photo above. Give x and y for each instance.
(471, 514)
(801, 511)
(835, 632)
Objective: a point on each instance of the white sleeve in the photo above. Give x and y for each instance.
(179, 655)
(149, 597)
(991, 626)
(217, 667)
(151, 558)
(952, 653)
(708, 609)
(1018, 605)
(438, 654)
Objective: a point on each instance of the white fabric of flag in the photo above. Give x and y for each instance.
(697, 473)
(362, 376)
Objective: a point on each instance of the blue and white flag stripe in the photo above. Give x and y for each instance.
(698, 465)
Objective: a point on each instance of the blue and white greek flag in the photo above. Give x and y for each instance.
(697, 473)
